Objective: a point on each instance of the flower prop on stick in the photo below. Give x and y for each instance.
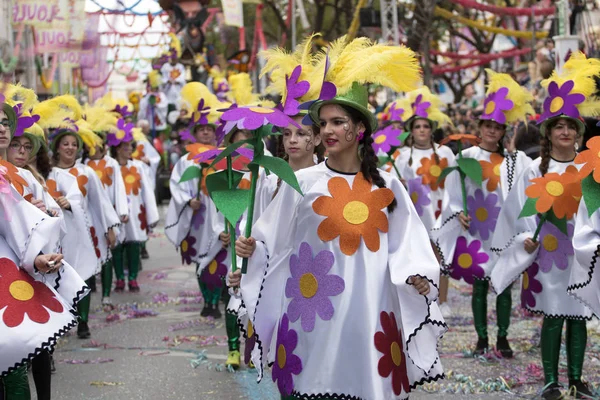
(590, 172)
(387, 141)
(466, 166)
(555, 196)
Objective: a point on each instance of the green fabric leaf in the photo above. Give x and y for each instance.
(382, 161)
(230, 149)
(280, 168)
(264, 131)
(560, 223)
(404, 136)
(471, 168)
(529, 208)
(218, 181)
(231, 203)
(591, 194)
(445, 173)
(192, 172)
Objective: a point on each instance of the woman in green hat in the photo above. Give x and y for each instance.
(347, 265)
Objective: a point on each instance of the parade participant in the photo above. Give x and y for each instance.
(299, 269)
(465, 252)
(421, 160)
(173, 74)
(154, 105)
(92, 218)
(547, 263)
(145, 151)
(109, 172)
(143, 212)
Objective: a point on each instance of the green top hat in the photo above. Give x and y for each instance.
(60, 133)
(11, 116)
(409, 123)
(355, 98)
(546, 122)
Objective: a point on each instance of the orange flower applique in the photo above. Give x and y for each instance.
(590, 159)
(195, 149)
(103, 172)
(175, 73)
(28, 197)
(430, 170)
(138, 153)
(52, 189)
(12, 175)
(463, 138)
(559, 192)
(132, 179)
(82, 180)
(353, 213)
(491, 171)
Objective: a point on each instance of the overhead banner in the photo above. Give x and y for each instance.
(233, 11)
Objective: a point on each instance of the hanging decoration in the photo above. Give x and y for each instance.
(506, 11)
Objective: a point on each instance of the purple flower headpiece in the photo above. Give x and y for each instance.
(496, 104)
(186, 135)
(295, 89)
(420, 107)
(123, 110)
(561, 101)
(328, 92)
(396, 113)
(124, 133)
(23, 121)
(200, 116)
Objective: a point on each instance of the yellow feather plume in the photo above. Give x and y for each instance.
(520, 96)
(242, 90)
(433, 111)
(154, 79)
(138, 135)
(175, 44)
(584, 73)
(68, 103)
(54, 112)
(363, 61)
(20, 94)
(99, 119)
(87, 135)
(193, 92)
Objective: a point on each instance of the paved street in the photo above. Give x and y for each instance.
(156, 346)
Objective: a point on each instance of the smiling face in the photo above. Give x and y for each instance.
(19, 151)
(563, 134)
(338, 131)
(4, 131)
(491, 133)
(421, 132)
(205, 134)
(67, 149)
(300, 143)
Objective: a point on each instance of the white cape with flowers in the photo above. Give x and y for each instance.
(548, 268)
(368, 333)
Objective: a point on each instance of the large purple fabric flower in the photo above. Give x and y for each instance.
(252, 118)
(496, 104)
(250, 342)
(420, 107)
(209, 155)
(23, 121)
(310, 286)
(419, 194)
(561, 101)
(385, 139)
(187, 249)
(213, 273)
(198, 217)
(124, 133)
(295, 89)
(530, 286)
(286, 362)
(484, 212)
(396, 113)
(467, 260)
(328, 92)
(556, 247)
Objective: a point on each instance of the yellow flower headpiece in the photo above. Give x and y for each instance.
(506, 101)
(420, 103)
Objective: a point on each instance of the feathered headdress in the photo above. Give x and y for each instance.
(242, 90)
(220, 86)
(420, 103)
(154, 79)
(175, 46)
(202, 106)
(121, 106)
(100, 120)
(123, 133)
(573, 93)
(506, 102)
(20, 94)
(348, 66)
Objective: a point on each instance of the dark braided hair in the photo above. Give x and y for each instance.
(369, 160)
(545, 146)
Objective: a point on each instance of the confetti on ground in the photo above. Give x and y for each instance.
(103, 383)
(96, 361)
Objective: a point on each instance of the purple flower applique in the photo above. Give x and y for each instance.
(213, 273)
(250, 342)
(200, 116)
(561, 101)
(420, 107)
(467, 260)
(556, 247)
(419, 194)
(310, 286)
(198, 217)
(286, 362)
(530, 286)
(187, 249)
(484, 213)
(123, 110)
(496, 104)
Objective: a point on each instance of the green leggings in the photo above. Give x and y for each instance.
(211, 296)
(83, 307)
(576, 340)
(15, 386)
(107, 277)
(132, 250)
(479, 305)
(231, 325)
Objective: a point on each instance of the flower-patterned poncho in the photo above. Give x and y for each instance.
(331, 269)
(109, 173)
(546, 271)
(465, 254)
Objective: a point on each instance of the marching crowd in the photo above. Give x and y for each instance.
(345, 240)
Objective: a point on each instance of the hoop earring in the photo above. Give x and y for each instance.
(360, 152)
(576, 146)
